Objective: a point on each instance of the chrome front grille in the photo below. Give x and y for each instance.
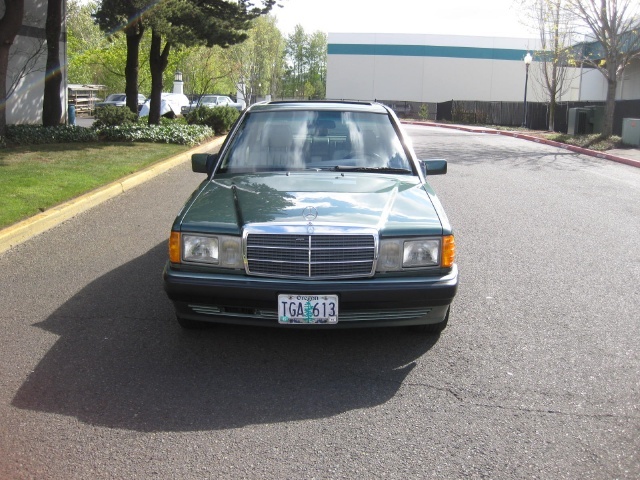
(310, 255)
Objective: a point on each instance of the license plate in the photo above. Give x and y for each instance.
(307, 309)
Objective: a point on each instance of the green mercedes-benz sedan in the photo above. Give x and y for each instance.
(313, 214)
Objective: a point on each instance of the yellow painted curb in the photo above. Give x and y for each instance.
(22, 231)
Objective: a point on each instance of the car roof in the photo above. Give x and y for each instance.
(352, 106)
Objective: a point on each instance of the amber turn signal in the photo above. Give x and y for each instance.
(448, 251)
(174, 247)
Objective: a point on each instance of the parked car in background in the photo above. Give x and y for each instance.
(213, 101)
(120, 100)
(314, 214)
(171, 105)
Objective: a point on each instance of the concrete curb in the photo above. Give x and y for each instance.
(22, 231)
(573, 148)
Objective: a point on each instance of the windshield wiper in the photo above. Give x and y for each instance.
(342, 168)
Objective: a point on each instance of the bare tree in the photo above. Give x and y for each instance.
(553, 22)
(10, 24)
(615, 26)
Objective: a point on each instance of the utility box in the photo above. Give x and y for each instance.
(631, 131)
(596, 118)
(578, 121)
(585, 120)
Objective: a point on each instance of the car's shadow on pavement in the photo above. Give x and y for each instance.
(122, 361)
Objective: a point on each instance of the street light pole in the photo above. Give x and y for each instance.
(527, 61)
(178, 86)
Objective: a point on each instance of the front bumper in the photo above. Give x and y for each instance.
(378, 301)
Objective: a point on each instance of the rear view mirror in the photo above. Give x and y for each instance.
(199, 162)
(434, 167)
(203, 162)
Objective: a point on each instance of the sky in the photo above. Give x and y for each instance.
(489, 18)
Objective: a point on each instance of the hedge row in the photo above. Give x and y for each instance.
(38, 135)
(117, 124)
(180, 134)
(219, 119)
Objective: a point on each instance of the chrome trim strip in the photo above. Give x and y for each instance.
(348, 316)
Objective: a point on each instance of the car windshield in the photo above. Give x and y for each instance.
(208, 99)
(316, 140)
(116, 97)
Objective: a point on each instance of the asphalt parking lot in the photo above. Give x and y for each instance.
(535, 377)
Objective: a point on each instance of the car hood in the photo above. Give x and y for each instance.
(391, 204)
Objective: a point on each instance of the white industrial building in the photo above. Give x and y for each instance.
(438, 68)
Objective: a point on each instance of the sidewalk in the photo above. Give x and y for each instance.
(630, 156)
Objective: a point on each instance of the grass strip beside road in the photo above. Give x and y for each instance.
(34, 179)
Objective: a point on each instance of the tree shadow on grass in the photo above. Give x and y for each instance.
(122, 361)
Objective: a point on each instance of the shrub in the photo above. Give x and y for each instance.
(219, 119)
(424, 112)
(173, 121)
(469, 117)
(593, 141)
(111, 115)
(171, 132)
(39, 135)
(179, 134)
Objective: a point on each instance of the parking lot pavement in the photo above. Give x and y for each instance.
(628, 156)
(536, 376)
(84, 121)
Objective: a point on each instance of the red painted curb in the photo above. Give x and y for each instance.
(584, 151)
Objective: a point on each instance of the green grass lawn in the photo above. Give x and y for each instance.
(33, 179)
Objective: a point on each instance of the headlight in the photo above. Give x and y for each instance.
(220, 250)
(390, 258)
(421, 253)
(398, 254)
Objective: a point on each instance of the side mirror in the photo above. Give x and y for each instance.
(203, 162)
(434, 167)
